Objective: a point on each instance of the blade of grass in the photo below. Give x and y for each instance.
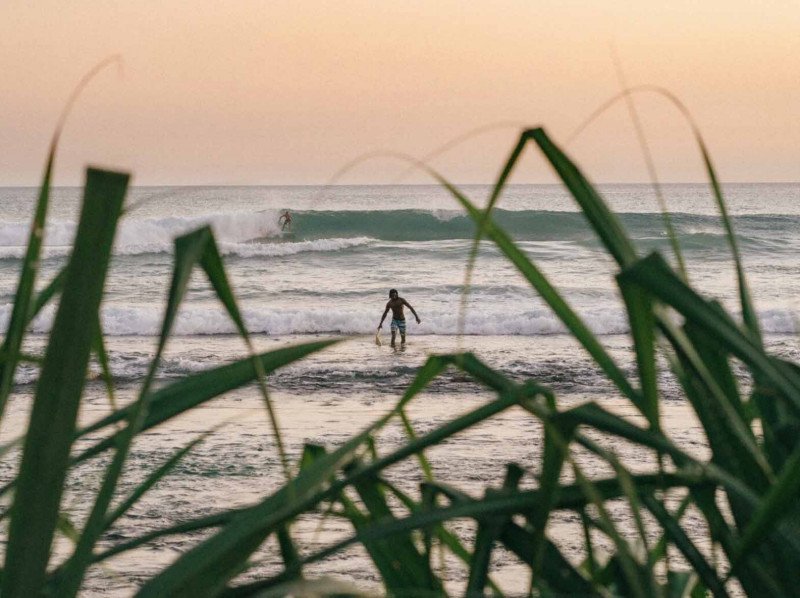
(556, 302)
(489, 531)
(170, 401)
(157, 475)
(190, 249)
(211, 262)
(400, 555)
(20, 312)
(47, 444)
(99, 349)
(681, 541)
(779, 501)
(653, 274)
(748, 311)
(651, 168)
(603, 221)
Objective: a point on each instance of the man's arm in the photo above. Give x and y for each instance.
(408, 305)
(383, 317)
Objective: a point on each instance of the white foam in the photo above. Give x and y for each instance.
(279, 249)
(234, 234)
(210, 319)
(146, 235)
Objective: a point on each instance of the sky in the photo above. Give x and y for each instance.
(247, 92)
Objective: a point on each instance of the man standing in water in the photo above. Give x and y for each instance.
(396, 303)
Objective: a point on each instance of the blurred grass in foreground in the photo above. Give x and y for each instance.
(745, 493)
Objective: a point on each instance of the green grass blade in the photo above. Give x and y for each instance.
(47, 445)
(479, 233)
(99, 349)
(634, 576)
(489, 531)
(653, 274)
(556, 442)
(161, 472)
(748, 310)
(21, 310)
(189, 250)
(211, 263)
(447, 539)
(170, 401)
(412, 435)
(603, 221)
(681, 541)
(12, 343)
(659, 551)
(203, 523)
(559, 306)
(780, 501)
(412, 568)
(643, 329)
(730, 439)
(557, 573)
(52, 289)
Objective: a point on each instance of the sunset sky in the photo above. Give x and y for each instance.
(278, 92)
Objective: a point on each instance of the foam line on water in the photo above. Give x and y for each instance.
(194, 320)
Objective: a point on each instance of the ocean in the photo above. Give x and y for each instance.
(330, 278)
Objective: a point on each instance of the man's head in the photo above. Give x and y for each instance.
(393, 294)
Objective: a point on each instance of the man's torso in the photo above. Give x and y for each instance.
(396, 305)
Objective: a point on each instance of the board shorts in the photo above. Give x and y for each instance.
(399, 324)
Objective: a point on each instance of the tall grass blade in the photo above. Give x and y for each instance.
(556, 442)
(603, 221)
(160, 473)
(12, 343)
(489, 531)
(190, 249)
(681, 541)
(170, 401)
(412, 570)
(21, 310)
(643, 331)
(779, 503)
(556, 302)
(651, 168)
(47, 445)
(653, 274)
(211, 262)
(99, 349)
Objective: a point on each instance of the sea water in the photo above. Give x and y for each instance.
(330, 278)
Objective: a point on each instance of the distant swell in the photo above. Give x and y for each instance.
(257, 233)
(240, 234)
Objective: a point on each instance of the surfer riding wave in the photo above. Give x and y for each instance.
(285, 221)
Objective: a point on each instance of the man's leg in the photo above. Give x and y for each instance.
(394, 334)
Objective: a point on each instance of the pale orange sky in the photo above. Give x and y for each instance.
(246, 92)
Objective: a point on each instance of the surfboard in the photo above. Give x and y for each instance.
(378, 338)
